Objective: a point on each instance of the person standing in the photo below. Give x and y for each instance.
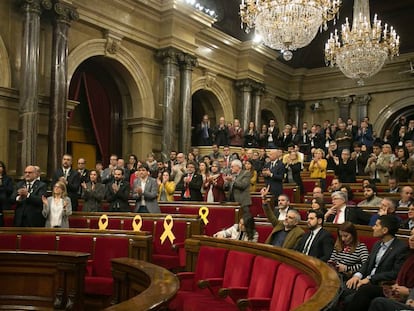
(6, 189)
(145, 192)
(93, 192)
(192, 183)
(57, 208)
(117, 192)
(238, 185)
(274, 172)
(28, 197)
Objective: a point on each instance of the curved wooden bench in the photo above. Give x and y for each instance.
(140, 285)
(326, 279)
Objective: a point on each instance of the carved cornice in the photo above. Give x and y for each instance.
(35, 6)
(65, 13)
(362, 99)
(343, 101)
(249, 85)
(169, 55)
(187, 61)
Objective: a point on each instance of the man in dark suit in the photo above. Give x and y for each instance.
(317, 242)
(274, 173)
(192, 183)
(339, 212)
(28, 197)
(70, 177)
(238, 185)
(117, 192)
(383, 264)
(83, 174)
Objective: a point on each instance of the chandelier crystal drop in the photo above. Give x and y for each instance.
(287, 25)
(364, 48)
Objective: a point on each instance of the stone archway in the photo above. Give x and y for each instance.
(5, 73)
(271, 108)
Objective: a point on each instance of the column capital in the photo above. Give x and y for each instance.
(65, 13)
(168, 55)
(245, 85)
(35, 6)
(296, 104)
(362, 99)
(187, 61)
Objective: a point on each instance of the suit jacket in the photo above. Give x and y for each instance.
(218, 189)
(118, 201)
(150, 194)
(322, 245)
(240, 190)
(275, 181)
(355, 215)
(72, 186)
(391, 262)
(195, 188)
(292, 238)
(93, 198)
(29, 210)
(65, 214)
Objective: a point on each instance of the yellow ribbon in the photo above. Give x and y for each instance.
(203, 212)
(137, 225)
(167, 230)
(103, 222)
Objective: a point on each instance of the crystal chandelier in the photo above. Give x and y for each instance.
(287, 25)
(365, 48)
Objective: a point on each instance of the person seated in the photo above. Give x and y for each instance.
(406, 197)
(347, 189)
(349, 254)
(388, 207)
(340, 212)
(336, 185)
(243, 231)
(371, 199)
(393, 186)
(385, 263)
(409, 222)
(318, 204)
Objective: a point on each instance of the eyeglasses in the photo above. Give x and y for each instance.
(27, 172)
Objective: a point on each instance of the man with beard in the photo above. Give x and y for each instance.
(282, 207)
(117, 192)
(317, 242)
(371, 199)
(285, 233)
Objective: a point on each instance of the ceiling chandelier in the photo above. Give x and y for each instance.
(364, 48)
(287, 25)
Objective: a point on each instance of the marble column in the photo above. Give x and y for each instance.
(169, 59)
(64, 14)
(187, 62)
(259, 90)
(362, 102)
(344, 104)
(295, 112)
(28, 97)
(245, 109)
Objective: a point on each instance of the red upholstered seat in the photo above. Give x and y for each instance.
(8, 242)
(78, 222)
(256, 208)
(8, 220)
(147, 225)
(169, 209)
(106, 248)
(368, 240)
(304, 289)
(303, 213)
(76, 243)
(309, 184)
(284, 287)
(40, 242)
(167, 254)
(205, 268)
(264, 230)
(114, 224)
(236, 276)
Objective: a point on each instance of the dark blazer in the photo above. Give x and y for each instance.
(218, 189)
(390, 263)
(346, 172)
(322, 245)
(194, 187)
(29, 210)
(275, 181)
(6, 189)
(355, 215)
(72, 186)
(118, 201)
(240, 190)
(93, 198)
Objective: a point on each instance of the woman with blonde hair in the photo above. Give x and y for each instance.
(57, 207)
(317, 167)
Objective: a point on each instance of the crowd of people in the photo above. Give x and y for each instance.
(272, 158)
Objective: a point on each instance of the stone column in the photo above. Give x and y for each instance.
(64, 14)
(344, 104)
(28, 97)
(169, 59)
(187, 62)
(245, 109)
(362, 102)
(259, 90)
(295, 112)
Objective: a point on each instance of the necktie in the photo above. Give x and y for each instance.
(29, 187)
(337, 216)
(308, 244)
(65, 173)
(187, 190)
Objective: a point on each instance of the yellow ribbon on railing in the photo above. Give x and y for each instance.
(137, 223)
(168, 229)
(203, 212)
(103, 222)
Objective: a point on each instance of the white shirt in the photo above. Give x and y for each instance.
(56, 211)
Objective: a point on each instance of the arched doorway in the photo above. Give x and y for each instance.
(95, 126)
(266, 116)
(203, 102)
(392, 121)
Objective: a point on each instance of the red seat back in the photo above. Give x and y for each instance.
(179, 230)
(263, 276)
(147, 225)
(238, 269)
(368, 240)
(207, 268)
(264, 230)
(40, 242)
(304, 289)
(8, 242)
(76, 243)
(78, 222)
(107, 248)
(284, 283)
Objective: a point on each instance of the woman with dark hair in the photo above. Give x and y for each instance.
(214, 185)
(347, 189)
(251, 136)
(318, 204)
(93, 192)
(245, 230)
(349, 254)
(166, 187)
(6, 189)
(248, 165)
(400, 168)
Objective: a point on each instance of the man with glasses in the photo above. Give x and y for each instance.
(83, 174)
(339, 212)
(28, 197)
